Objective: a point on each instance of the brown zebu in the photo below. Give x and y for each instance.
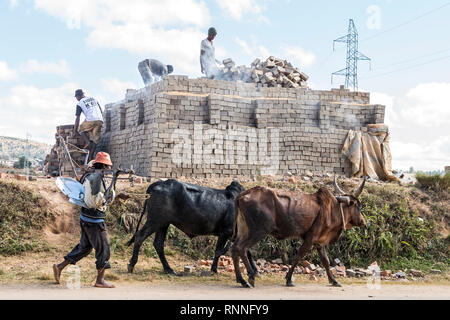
(317, 218)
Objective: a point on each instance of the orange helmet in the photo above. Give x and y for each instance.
(103, 157)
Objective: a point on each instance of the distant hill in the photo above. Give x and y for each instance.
(13, 148)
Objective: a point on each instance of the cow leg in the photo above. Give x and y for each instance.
(250, 270)
(252, 262)
(141, 235)
(158, 243)
(221, 248)
(235, 250)
(246, 255)
(306, 246)
(254, 237)
(326, 263)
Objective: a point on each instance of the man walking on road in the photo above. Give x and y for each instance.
(92, 223)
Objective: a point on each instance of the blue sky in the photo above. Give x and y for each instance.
(50, 48)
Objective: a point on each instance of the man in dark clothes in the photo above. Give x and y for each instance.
(153, 70)
(93, 227)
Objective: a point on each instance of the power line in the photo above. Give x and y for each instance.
(407, 68)
(412, 59)
(319, 66)
(407, 22)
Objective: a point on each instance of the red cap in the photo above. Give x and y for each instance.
(103, 157)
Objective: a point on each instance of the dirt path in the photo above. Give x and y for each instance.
(225, 292)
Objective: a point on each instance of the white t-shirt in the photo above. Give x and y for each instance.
(90, 108)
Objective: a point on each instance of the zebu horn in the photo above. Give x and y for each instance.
(344, 199)
(336, 187)
(360, 189)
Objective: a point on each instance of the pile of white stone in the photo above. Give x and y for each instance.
(272, 72)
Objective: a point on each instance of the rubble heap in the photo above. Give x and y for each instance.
(54, 159)
(316, 272)
(272, 72)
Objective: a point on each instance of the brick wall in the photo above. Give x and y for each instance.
(200, 127)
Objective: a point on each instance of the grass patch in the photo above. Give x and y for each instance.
(435, 182)
(111, 277)
(44, 277)
(22, 214)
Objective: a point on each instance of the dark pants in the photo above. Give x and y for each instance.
(93, 235)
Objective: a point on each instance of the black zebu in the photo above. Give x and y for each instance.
(193, 209)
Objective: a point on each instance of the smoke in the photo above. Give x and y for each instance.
(351, 120)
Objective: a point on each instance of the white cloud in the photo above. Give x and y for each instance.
(115, 88)
(422, 157)
(38, 111)
(6, 73)
(238, 8)
(300, 57)
(254, 49)
(263, 51)
(13, 3)
(180, 49)
(296, 55)
(419, 122)
(249, 51)
(168, 30)
(33, 66)
(429, 104)
(98, 13)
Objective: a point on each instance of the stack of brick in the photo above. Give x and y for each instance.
(56, 162)
(231, 72)
(272, 72)
(193, 127)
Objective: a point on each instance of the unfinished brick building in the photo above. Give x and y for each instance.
(207, 128)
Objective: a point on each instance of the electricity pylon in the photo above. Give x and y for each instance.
(353, 55)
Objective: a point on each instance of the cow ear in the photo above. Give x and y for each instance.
(235, 183)
(228, 192)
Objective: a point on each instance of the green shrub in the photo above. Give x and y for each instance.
(436, 182)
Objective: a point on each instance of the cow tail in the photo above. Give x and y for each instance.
(139, 222)
(235, 226)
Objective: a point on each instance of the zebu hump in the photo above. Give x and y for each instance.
(161, 186)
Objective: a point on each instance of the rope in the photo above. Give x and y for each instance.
(342, 214)
(118, 234)
(77, 149)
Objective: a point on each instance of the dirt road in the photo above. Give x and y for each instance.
(225, 292)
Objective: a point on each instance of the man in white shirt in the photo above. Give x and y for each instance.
(90, 128)
(208, 60)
